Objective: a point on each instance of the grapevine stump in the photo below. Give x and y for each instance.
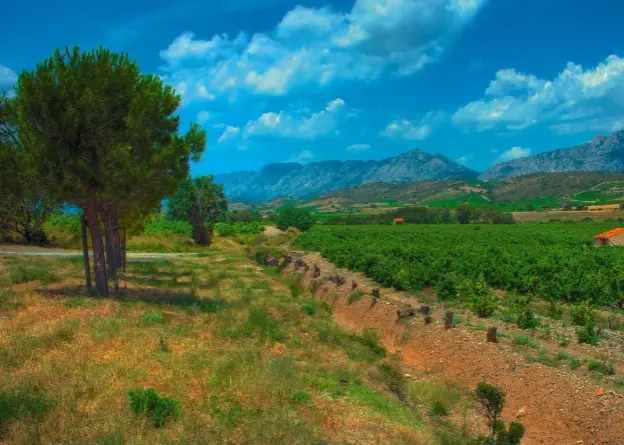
(491, 334)
(316, 271)
(448, 320)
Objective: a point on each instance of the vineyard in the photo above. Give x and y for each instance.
(554, 261)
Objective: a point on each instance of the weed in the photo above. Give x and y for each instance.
(308, 309)
(211, 306)
(393, 377)
(527, 320)
(261, 323)
(77, 302)
(153, 318)
(438, 409)
(523, 340)
(370, 339)
(147, 403)
(355, 296)
(601, 367)
(162, 345)
(301, 397)
(10, 300)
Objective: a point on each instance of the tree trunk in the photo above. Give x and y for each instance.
(85, 252)
(110, 246)
(123, 250)
(116, 238)
(201, 236)
(99, 259)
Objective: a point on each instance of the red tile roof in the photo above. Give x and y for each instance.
(610, 234)
(403, 220)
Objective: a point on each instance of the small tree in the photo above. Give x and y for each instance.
(464, 213)
(297, 218)
(492, 401)
(200, 202)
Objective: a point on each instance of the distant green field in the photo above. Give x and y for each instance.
(473, 198)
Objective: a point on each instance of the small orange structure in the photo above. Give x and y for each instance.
(605, 208)
(399, 220)
(613, 237)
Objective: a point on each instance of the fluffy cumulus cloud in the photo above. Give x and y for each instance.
(358, 147)
(465, 159)
(513, 153)
(575, 101)
(315, 47)
(413, 131)
(302, 124)
(7, 76)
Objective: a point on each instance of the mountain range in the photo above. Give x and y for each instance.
(298, 181)
(605, 154)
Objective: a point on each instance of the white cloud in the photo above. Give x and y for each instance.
(464, 159)
(228, 134)
(313, 48)
(513, 153)
(408, 130)
(203, 116)
(302, 124)
(7, 76)
(514, 101)
(358, 147)
(304, 156)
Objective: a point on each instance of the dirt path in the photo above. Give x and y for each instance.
(556, 407)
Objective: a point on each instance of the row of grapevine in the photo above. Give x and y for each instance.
(555, 261)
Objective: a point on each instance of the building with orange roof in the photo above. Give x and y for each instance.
(399, 220)
(613, 237)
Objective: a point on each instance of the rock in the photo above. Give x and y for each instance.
(521, 412)
(271, 261)
(600, 392)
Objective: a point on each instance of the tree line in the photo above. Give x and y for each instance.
(90, 131)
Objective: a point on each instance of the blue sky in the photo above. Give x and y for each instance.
(479, 81)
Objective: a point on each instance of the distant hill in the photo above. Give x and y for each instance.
(297, 181)
(537, 190)
(605, 154)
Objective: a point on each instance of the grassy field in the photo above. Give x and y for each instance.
(232, 347)
(523, 217)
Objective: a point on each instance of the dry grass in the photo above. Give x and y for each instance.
(217, 334)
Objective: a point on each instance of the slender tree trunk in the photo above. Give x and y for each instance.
(110, 245)
(123, 250)
(99, 258)
(85, 251)
(116, 238)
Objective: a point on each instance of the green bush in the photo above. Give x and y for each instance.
(19, 404)
(446, 289)
(587, 335)
(65, 222)
(583, 314)
(438, 409)
(527, 320)
(483, 302)
(297, 218)
(308, 309)
(147, 403)
(164, 227)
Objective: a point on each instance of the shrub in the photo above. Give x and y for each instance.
(301, 397)
(147, 403)
(483, 302)
(438, 409)
(65, 222)
(308, 309)
(601, 367)
(32, 271)
(447, 288)
(238, 228)
(297, 218)
(354, 296)
(492, 401)
(587, 335)
(18, 404)
(583, 314)
(527, 320)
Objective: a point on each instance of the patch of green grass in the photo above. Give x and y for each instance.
(523, 340)
(152, 318)
(573, 362)
(10, 300)
(104, 328)
(261, 324)
(301, 397)
(147, 403)
(383, 406)
(77, 302)
(308, 309)
(438, 409)
(26, 272)
(355, 296)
